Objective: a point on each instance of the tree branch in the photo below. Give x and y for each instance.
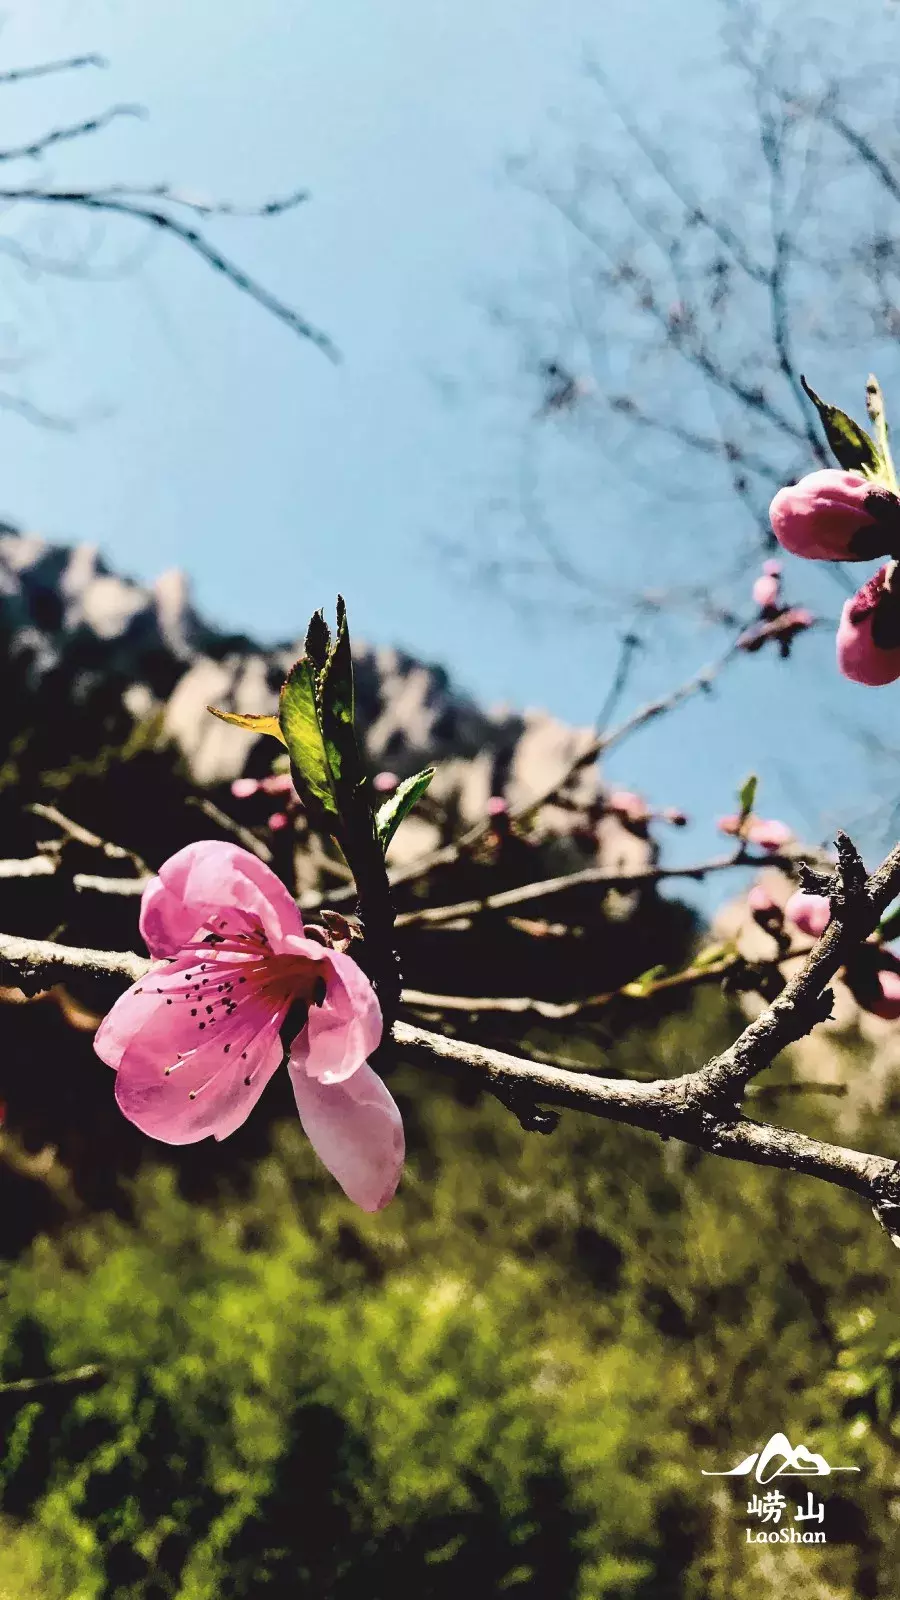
(701, 1107)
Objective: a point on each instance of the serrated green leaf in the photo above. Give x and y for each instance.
(298, 714)
(851, 446)
(252, 721)
(398, 806)
(747, 795)
(318, 641)
(336, 697)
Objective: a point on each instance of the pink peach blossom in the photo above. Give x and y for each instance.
(836, 516)
(811, 913)
(195, 1042)
(868, 636)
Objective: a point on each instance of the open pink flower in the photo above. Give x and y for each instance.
(195, 1042)
(811, 913)
(836, 516)
(868, 636)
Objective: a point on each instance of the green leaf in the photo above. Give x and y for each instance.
(298, 714)
(709, 956)
(336, 696)
(639, 987)
(747, 795)
(389, 816)
(851, 446)
(889, 926)
(318, 641)
(254, 722)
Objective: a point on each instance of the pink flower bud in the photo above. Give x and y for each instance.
(836, 516)
(385, 782)
(277, 821)
(675, 818)
(629, 806)
(768, 835)
(766, 591)
(730, 825)
(763, 908)
(868, 636)
(873, 977)
(497, 806)
(243, 788)
(278, 783)
(888, 1006)
(772, 569)
(811, 913)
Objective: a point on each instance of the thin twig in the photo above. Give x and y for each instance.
(44, 68)
(76, 130)
(153, 216)
(82, 835)
(434, 916)
(87, 1377)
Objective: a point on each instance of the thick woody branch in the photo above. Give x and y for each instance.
(701, 1107)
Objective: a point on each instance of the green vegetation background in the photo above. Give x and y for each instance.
(505, 1384)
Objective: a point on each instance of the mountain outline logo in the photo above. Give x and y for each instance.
(791, 1463)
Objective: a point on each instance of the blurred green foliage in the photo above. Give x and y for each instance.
(506, 1384)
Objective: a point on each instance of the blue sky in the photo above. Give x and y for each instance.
(214, 441)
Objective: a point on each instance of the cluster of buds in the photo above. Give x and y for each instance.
(835, 515)
(768, 835)
(775, 623)
(633, 810)
(278, 784)
(872, 974)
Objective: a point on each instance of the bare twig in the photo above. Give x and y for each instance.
(82, 835)
(38, 960)
(237, 830)
(151, 214)
(76, 130)
(434, 916)
(87, 1377)
(44, 68)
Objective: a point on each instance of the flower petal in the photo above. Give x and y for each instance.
(344, 1031)
(356, 1131)
(183, 1046)
(212, 879)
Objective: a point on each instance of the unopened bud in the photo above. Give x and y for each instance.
(836, 516)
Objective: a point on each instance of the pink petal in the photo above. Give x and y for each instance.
(356, 1131)
(211, 879)
(209, 1041)
(344, 1031)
